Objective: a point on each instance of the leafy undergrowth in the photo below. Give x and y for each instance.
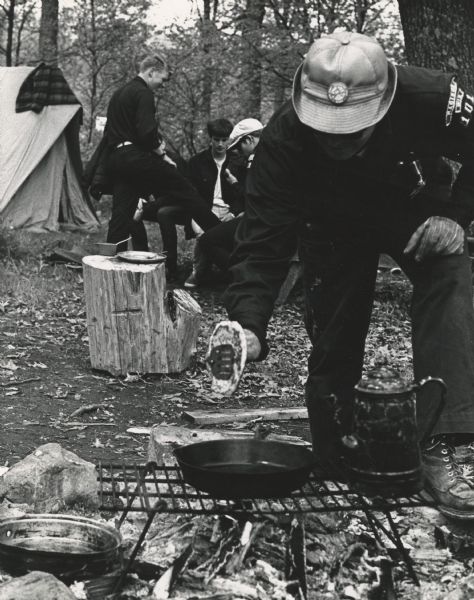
(45, 378)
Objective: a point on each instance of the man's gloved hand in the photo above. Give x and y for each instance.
(436, 236)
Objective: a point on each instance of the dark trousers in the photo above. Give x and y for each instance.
(339, 275)
(138, 174)
(167, 217)
(218, 243)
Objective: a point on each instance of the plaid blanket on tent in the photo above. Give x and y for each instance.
(44, 86)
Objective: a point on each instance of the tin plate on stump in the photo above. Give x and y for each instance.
(135, 256)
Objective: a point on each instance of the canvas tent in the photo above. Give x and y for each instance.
(40, 162)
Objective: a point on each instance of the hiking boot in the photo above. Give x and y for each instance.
(445, 479)
(226, 357)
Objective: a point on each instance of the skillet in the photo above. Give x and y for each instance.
(245, 468)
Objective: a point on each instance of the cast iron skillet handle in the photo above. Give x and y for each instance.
(441, 404)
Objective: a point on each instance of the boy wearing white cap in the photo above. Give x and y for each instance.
(351, 167)
(217, 243)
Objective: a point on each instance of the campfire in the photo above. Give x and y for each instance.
(320, 542)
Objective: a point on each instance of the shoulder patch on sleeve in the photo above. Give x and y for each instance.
(453, 91)
(460, 106)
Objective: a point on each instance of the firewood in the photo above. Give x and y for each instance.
(165, 583)
(231, 415)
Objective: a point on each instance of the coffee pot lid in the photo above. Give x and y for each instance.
(383, 380)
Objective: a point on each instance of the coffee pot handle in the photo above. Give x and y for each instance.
(441, 404)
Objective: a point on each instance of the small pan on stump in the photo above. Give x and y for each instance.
(239, 468)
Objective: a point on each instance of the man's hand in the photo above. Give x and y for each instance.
(436, 236)
(228, 217)
(230, 178)
(253, 345)
(169, 160)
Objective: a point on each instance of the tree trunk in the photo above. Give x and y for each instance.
(208, 72)
(94, 72)
(10, 12)
(439, 34)
(48, 38)
(252, 68)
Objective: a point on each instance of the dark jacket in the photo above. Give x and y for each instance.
(202, 172)
(96, 177)
(131, 116)
(292, 183)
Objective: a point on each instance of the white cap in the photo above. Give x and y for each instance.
(243, 128)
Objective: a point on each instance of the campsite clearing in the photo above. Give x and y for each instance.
(49, 393)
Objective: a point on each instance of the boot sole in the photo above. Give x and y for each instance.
(226, 357)
(446, 510)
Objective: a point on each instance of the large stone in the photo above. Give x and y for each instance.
(49, 479)
(35, 586)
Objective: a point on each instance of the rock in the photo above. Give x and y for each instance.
(8, 510)
(49, 479)
(35, 586)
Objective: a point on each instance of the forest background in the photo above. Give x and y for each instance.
(229, 58)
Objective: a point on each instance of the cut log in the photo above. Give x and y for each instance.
(134, 324)
(164, 438)
(231, 415)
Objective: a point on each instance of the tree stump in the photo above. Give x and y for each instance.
(134, 324)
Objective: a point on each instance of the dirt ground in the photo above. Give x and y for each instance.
(45, 373)
(45, 376)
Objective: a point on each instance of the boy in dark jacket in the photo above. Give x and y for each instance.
(210, 173)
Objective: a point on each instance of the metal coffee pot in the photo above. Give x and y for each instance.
(382, 451)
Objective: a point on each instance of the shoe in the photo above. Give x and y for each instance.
(192, 281)
(446, 481)
(226, 357)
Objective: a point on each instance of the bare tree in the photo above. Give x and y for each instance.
(49, 25)
(207, 27)
(251, 27)
(8, 9)
(16, 21)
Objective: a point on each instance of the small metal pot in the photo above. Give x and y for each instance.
(106, 249)
(69, 547)
(239, 468)
(111, 249)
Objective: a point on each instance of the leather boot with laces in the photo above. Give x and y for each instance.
(465, 459)
(445, 480)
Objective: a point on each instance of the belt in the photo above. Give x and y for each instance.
(122, 144)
